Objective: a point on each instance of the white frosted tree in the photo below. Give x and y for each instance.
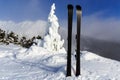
(52, 41)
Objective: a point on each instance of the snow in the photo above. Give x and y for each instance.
(37, 63)
(90, 56)
(52, 41)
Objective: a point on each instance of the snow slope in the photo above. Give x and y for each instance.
(37, 63)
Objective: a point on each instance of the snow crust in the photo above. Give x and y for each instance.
(37, 63)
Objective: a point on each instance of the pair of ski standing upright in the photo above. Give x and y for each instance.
(70, 18)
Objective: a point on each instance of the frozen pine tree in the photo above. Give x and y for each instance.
(52, 41)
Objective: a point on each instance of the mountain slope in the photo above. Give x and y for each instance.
(104, 48)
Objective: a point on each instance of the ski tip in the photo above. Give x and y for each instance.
(70, 6)
(78, 7)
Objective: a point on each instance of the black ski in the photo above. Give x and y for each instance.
(70, 18)
(79, 13)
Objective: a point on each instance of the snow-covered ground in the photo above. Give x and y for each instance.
(37, 63)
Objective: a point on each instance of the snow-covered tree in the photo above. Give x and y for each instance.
(52, 41)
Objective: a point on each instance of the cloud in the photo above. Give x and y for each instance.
(25, 28)
(102, 28)
(94, 25)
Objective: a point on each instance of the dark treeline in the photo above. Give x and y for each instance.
(11, 37)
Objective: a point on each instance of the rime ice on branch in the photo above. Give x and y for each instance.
(52, 41)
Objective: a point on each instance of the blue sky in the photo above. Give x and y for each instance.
(20, 10)
(101, 18)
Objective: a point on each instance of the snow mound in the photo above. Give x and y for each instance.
(32, 52)
(36, 51)
(90, 56)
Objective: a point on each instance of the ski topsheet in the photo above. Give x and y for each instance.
(70, 18)
(78, 13)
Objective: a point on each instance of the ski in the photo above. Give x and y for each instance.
(78, 13)
(70, 18)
